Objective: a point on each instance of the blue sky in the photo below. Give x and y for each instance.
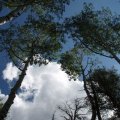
(77, 5)
(73, 9)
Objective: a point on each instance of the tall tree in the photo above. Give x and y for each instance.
(98, 31)
(36, 42)
(73, 63)
(89, 96)
(101, 86)
(95, 99)
(106, 85)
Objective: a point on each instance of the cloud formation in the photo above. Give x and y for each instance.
(10, 72)
(43, 89)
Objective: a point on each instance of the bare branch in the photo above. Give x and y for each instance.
(72, 111)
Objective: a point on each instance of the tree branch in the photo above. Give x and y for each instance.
(15, 13)
(16, 55)
(92, 49)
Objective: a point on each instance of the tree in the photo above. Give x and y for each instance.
(40, 39)
(95, 98)
(72, 64)
(1, 104)
(101, 85)
(53, 116)
(91, 99)
(36, 42)
(17, 7)
(106, 85)
(98, 31)
(73, 110)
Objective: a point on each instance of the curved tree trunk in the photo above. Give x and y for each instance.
(11, 97)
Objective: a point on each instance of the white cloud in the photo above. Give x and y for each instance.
(10, 72)
(43, 89)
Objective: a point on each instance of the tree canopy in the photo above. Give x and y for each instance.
(46, 7)
(98, 31)
(41, 39)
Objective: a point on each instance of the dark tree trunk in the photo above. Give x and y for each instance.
(11, 97)
(91, 102)
(93, 107)
(96, 102)
(115, 57)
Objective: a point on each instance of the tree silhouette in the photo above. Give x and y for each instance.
(72, 111)
(106, 84)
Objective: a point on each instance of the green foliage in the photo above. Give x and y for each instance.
(40, 27)
(56, 7)
(43, 37)
(71, 62)
(71, 69)
(95, 29)
(51, 6)
(46, 34)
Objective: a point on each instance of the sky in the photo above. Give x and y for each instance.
(43, 89)
(47, 86)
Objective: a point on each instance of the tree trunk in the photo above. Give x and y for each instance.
(115, 57)
(96, 102)
(15, 13)
(11, 97)
(91, 102)
(93, 107)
